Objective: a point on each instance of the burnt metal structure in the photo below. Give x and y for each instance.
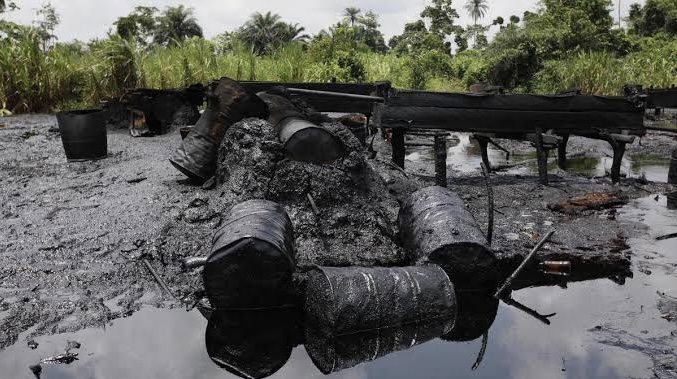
(546, 120)
(155, 110)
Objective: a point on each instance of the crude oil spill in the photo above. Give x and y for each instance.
(601, 329)
(464, 155)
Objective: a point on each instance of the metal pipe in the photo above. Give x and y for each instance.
(336, 94)
(191, 263)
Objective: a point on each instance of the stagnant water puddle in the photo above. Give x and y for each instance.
(463, 155)
(593, 333)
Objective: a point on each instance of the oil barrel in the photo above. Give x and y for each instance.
(436, 227)
(83, 133)
(349, 300)
(252, 258)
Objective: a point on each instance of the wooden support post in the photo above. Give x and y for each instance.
(562, 152)
(484, 148)
(542, 158)
(441, 160)
(672, 174)
(399, 150)
(619, 151)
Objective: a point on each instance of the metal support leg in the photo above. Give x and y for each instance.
(399, 150)
(484, 148)
(562, 152)
(441, 160)
(542, 158)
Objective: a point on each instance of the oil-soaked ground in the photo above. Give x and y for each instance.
(72, 237)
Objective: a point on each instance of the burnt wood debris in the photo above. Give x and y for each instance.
(263, 297)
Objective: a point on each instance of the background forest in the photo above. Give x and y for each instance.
(564, 44)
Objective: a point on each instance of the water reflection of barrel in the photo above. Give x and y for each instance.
(476, 314)
(672, 201)
(436, 227)
(253, 344)
(335, 353)
(252, 258)
(672, 174)
(343, 301)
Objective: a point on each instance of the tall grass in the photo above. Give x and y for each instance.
(35, 81)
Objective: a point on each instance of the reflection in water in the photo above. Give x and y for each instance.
(253, 344)
(464, 155)
(256, 344)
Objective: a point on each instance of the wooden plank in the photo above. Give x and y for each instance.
(524, 102)
(661, 98)
(501, 121)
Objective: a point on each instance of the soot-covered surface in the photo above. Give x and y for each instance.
(73, 236)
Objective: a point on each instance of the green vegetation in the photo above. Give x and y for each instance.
(564, 44)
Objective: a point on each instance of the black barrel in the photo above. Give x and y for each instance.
(307, 142)
(252, 259)
(253, 344)
(672, 174)
(302, 140)
(332, 354)
(436, 227)
(342, 301)
(83, 133)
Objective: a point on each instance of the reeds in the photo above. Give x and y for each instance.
(65, 77)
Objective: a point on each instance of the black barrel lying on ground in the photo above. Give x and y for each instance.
(302, 140)
(435, 227)
(227, 103)
(342, 301)
(253, 344)
(252, 259)
(83, 133)
(332, 354)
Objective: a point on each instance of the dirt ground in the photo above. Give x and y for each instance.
(74, 236)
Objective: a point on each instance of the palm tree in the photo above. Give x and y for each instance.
(477, 9)
(352, 15)
(292, 32)
(176, 24)
(262, 30)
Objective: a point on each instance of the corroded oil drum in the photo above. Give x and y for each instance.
(335, 353)
(83, 133)
(253, 344)
(252, 258)
(342, 301)
(435, 227)
(307, 142)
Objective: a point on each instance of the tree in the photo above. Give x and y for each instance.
(7, 5)
(265, 32)
(654, 17)
(441, 15)
(477, 9)
(367, 32)
(417, 38)
(46, 23)
(175, 25)
(352, 15)
(140, 24)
